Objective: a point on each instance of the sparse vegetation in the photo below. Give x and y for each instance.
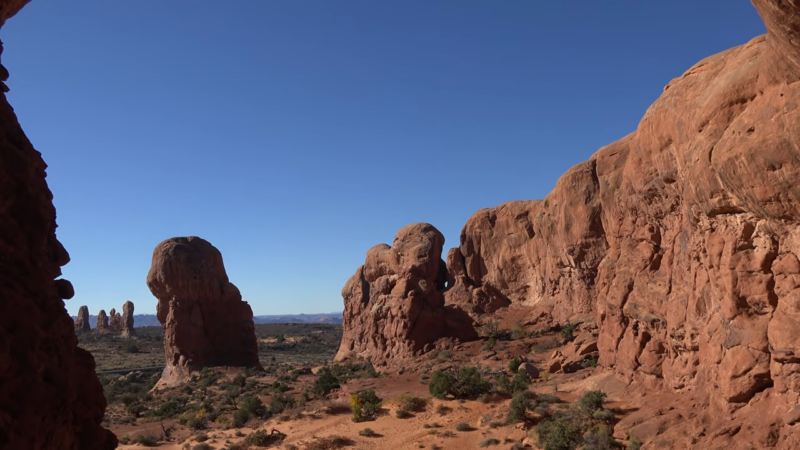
(521, 381)
(403, 414)
(411, 403)
(461, 383)
(261, 438)
(543, 346)
(514, 365)
(367, 432)
(365, 405)
(463, 426)
(567, 332)
(488, 441)
(520, 404)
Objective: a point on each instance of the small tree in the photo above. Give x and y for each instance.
(592, 401)
(365, 405)
(521, 381)
(513, 366)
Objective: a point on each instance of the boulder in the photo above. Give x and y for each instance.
(532, 371)
(206, 322)
(394, 303)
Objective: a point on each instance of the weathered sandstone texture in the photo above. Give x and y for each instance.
(394, 304)
(82, 319)
(50, 397)
(683, 237)
(127, 319)
(206, 323)
(102, 322)
(115, 321)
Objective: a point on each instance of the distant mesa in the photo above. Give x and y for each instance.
(206, 323)
(394, 304)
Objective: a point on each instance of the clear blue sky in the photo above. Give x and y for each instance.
(295, 135)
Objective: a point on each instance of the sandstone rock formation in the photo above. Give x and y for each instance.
(102, 322)
(82, 319)
(50, 397)
(682, 237)
(394, 303)
(127, 319)
(206, 323)
(115, 321)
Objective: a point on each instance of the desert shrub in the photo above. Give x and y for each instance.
(513, 366)
(603, 415)
(325, 382)
(202, 446)
(196, 420)
(600, 438)
(518, 406)
(489, 344)
(589, 363)
(366, 432)
(503, 385)
(559, 434)
(364, 405)
(241, 417)
(135, 409)
(521, 381)
(222, 419)
(254, 407)
(517, 330)
(567, 332)
(261, 438)
(202, 437)
(488, 441)
(463, 426)
(461, 383)
(125, 440)
(548, 398)
(592, 401)
(633, 442)
(280, 402)
(130, 347)
(208, 377)
(148, 439)
(442, 409)
(168, 409)
(239, 380)
(279, 387)
(411, 403)
(403, 414)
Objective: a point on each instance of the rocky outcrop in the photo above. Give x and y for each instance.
(102, 322)
(82, 319)
(50, 397)
(206, 323)
(394, 304)
(127, 320)
(682, 237)
(115, 321)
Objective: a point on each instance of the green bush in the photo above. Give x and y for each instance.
(518, 406)
(461, 383)
(559, 434)
(633, 442)
(280, 402)
(239, 380)
(488, 441)
(503, 385)
(367, 432)
(600, 438)
(592, 401)
(261, 438)
(513, 366)
(254, 407)
(521, 381)
(325, 383)
(411, 403)
(463, 426)
(365, 405)
(147, 440)
(567, 331)
(403, 414)
(240, 418)
(168, 409)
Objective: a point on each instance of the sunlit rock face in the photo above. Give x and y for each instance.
(206, 323)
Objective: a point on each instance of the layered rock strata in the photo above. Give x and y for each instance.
(394, 304)
(206, 323)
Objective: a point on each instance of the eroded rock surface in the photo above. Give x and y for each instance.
(127, 320)
(50, 397)
(82, 319)
(206, 323)
(102, 322)
(115, 321)
(683, 237)
(394, 304)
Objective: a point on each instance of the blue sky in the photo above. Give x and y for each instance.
(295, 135)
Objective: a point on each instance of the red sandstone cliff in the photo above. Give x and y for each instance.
(50, 397)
